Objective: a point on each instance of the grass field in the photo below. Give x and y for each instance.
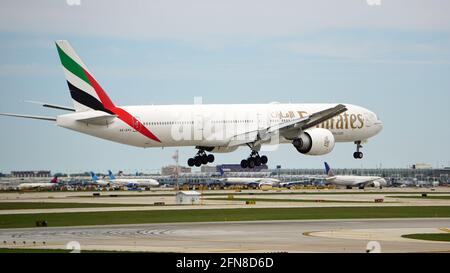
(32, 250)
(215, 215)
(443, 237)
(288, 200)
(51, 205)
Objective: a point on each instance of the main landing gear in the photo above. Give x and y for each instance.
(358, 154)
(254, 160)
(200, 159)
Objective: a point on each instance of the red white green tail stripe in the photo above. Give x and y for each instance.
(87, 92)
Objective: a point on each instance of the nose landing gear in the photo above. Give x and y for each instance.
(358, 154)
(200, 159)
(254, 160)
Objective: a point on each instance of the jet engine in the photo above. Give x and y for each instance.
(317, 141)
(376, 184)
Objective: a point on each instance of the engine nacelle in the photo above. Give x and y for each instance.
(379, 183)
(219, 149)
(317, 141)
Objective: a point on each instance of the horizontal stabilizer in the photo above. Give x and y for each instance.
(95, 117)
(30, 117)
(54, 106)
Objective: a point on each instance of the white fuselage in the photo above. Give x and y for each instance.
(250, 181)
(216, 125)
(135, 182)
(31, 186)
(355, 181)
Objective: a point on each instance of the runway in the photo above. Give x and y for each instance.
(229, 237)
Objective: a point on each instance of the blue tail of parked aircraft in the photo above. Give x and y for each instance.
(328, 170)
(94, 177)
(111, 175)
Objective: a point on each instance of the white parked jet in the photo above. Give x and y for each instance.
(133, 182)
(350, 181)
(248, 181)
(313, 129)
(39, 186)
(99, 182)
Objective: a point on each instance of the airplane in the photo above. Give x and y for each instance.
(99, 182)
(350, 181)
(248, 181)
(133, 182)
(313, 129)
(39, 186)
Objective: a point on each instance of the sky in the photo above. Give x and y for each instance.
(392, 58)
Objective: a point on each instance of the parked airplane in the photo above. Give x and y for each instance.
(350, 181)
(39, 186)
(313, 129)
(133, 182)
(99, 182)
(248, 181)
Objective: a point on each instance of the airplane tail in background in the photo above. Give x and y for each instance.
(111, 175)
(328, 170)
(86, 93)
(94, 177)
(54, 180)
(222, 173)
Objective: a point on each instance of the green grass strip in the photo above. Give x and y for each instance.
(214, 215)
(443, 237)
(287, 200)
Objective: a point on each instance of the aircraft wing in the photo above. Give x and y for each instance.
(28, 116)
(366, 182)
(299, 125)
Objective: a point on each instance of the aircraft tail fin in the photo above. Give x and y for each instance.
(94, 177)
(86, 93)
(328, 170)
(54, 180)
(111, 175)
(221, 171)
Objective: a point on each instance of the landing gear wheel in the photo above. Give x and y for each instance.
(264, 159)
(201, 158)
(254, 160)
(210, 158)
(244, 164)
(204, 159)
(191, 162)
(197, 161)
(251, 163)
(358, 154)
(258, 161)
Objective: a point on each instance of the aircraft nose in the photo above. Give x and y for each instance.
(379, 125)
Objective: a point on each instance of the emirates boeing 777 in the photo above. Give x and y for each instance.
(313, 129)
